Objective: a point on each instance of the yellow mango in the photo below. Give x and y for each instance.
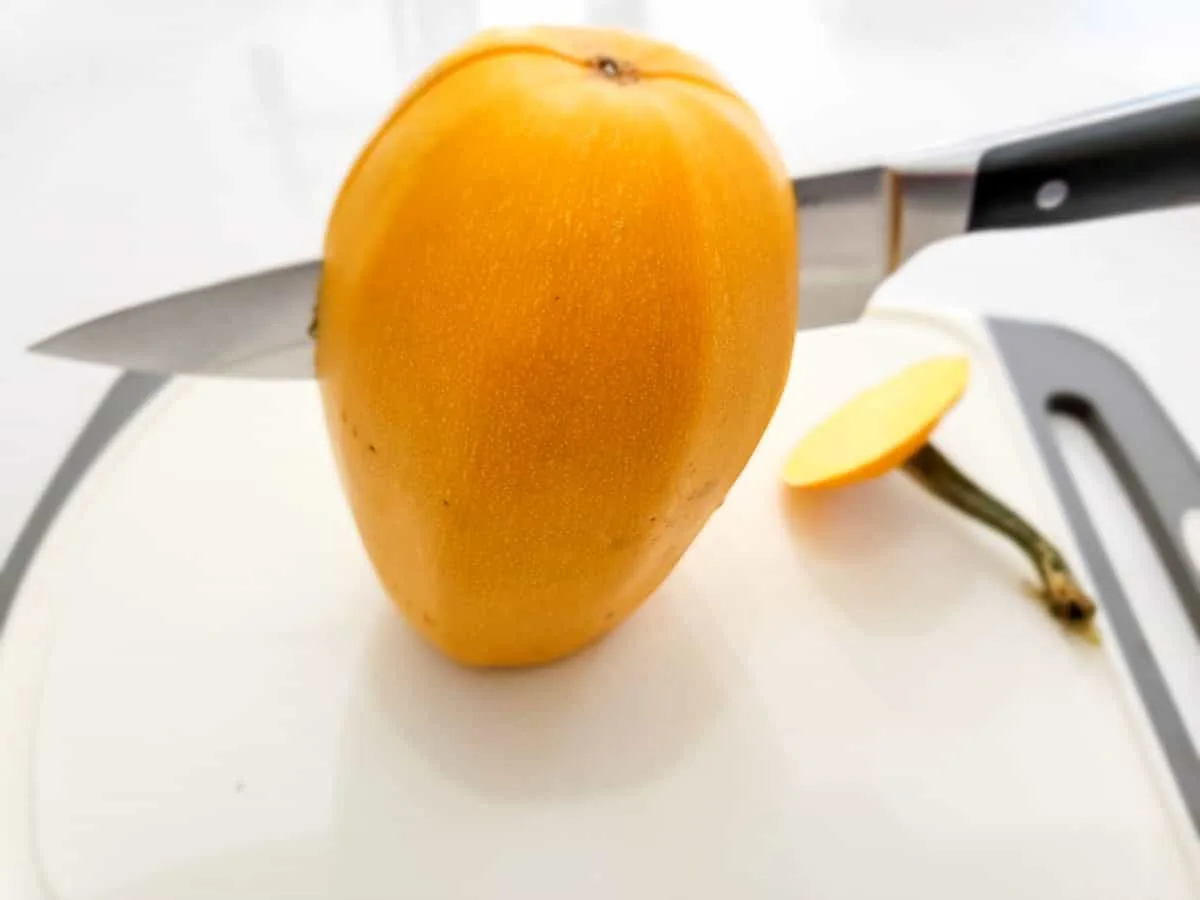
(556, 314)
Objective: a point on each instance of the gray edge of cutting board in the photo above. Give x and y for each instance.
(1056, 371)
(1053, 371)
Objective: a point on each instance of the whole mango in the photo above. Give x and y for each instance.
(556, 315)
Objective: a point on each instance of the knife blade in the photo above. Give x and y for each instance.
(857, 227)
(253, 327)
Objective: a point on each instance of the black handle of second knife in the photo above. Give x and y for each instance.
(1149, 159)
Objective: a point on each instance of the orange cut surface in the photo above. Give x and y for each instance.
(878, 429)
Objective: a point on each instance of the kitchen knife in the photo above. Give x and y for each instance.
(857, 227)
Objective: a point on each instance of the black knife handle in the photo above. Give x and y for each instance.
(1149, 159)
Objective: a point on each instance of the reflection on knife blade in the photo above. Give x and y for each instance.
(256, 327)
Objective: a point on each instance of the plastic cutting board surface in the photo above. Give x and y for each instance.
(838, 696)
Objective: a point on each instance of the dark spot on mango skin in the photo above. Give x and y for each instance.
(621, 541)
(702, 491)
(428, 619)
(610, 615)
(371, 447)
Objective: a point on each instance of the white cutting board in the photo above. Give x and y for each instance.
(833, 697)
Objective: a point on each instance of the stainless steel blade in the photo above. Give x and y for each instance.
(844, 221)
(255, 327)
(857, 227)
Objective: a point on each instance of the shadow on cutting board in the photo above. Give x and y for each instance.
(865, 543)
(469, 779)
(616, 714)
(937, 617)
(297, 870)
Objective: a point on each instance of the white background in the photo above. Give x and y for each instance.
(148, 146)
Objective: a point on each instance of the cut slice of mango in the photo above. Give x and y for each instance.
(878, 429)
(888, 427)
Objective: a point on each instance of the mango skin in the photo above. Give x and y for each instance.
(556, 315)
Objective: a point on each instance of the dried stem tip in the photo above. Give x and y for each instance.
(614, 69)
(1063, 596)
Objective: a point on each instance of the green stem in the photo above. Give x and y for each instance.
(1060, 591)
